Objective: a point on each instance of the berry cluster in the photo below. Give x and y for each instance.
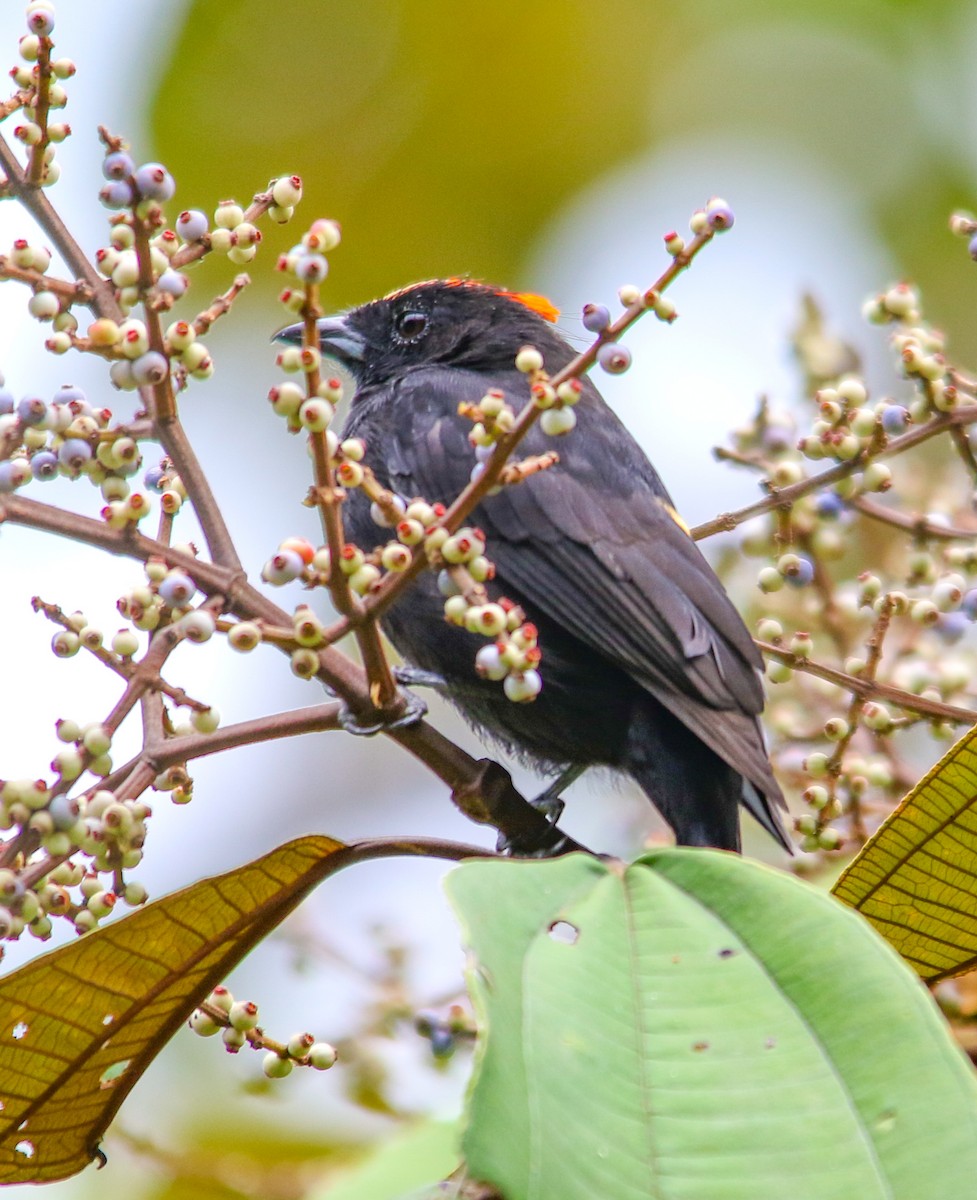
(237, 1023)
(67, 437)
(40, 79)
(920, 592)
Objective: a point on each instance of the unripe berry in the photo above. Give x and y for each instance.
(557, 421)
(198, 626)
(244, 636)
(524, 687)
(203, 1024)
(529, 360)
(322, 1056)
(836, 728)
(228, 214)
(287, 191)
(275, 1067)
(243, 1014)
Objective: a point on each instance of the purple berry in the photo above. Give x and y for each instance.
(153, 479)
(70, 395)
(9, 476)
(149, 368)
(117, 194)
(282, 567)
(192, 224)
(40, 21)
(952, 626)
(972, 247)
(173, 283)
(117, 165)
(312, 268)
(969, 604)
(895, 418)
(803, 574)
(596, 318)
(74, 453)
(614, 358)
(7, 402)
(719, 215)
(31, 410)
(44, 465)
(65, 811)
(177, 589)
(442, 1042)
(154, 182)
(830, 505)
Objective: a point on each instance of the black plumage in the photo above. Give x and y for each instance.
(647, 666)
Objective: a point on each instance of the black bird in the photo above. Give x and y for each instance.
(647, 667)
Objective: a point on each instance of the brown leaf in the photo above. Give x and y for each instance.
(79, 1026)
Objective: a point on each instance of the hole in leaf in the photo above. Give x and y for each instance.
(113, 1073)
(3, 1106)
(770, 1043)
(563, 931)
(20, 1030)
(108, 1018)
(25, 1148)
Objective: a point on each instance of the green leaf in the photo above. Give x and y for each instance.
(695, 1026)
(428, 1150)
(80, 1025)
(916, 878)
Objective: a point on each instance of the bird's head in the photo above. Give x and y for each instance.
(452, 321)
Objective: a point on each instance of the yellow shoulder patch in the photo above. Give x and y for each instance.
(676, 518)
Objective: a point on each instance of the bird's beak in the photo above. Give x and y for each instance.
(336, 339)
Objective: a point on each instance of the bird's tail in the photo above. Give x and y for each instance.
(695, 790)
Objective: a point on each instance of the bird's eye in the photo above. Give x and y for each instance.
(410, 326)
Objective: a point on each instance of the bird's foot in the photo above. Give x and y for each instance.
(415, 710)
(548, 802)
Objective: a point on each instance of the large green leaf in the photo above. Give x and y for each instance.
(80, 1025)
(697, 1026)
(916, 878)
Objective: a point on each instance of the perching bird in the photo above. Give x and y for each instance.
(647, 667)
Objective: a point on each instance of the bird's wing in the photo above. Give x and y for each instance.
(592, 542)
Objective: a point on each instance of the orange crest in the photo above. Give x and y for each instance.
(539, 304)
(532, 300)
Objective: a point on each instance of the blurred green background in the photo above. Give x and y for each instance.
(445, 137)
(545, 146)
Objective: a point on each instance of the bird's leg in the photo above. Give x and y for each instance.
(549, 802)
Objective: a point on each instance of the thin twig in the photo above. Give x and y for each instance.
(781, 497)
(870, 688)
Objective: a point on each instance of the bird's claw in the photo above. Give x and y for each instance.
(415, 710)
(411, 677)
(549, 804)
